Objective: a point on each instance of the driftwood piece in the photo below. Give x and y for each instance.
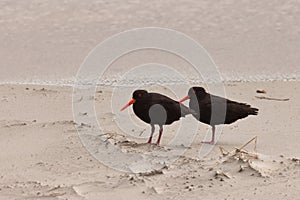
(270, 98)
(261, 91)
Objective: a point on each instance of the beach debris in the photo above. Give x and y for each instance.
(220, 174)
(189, 187)
(152, 173)
(270, 98)
(260, 168)
(83, 114)
(15, 124)
(296, 160)
(55, 188)
(240, 153)
(53, 194)
(261, 91)
(84, 125)
(110, 137)
(263, 165)
(242, 168)
(224, 152)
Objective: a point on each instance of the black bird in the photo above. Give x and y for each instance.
(154, 108)
(225, 111)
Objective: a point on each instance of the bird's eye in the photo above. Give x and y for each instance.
(139, 95)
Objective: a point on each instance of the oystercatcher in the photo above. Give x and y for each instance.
(225, 111)
(156, 109)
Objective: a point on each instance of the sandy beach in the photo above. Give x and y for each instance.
(255, 46)
(42, 156)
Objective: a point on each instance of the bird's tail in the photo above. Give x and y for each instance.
(253, 111)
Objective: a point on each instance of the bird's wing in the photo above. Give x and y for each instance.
(212, 99)
(221, 103)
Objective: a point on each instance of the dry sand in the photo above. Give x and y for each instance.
(42, 156)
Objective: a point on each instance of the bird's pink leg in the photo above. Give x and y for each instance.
(213, 137)
(159, 136)
(152, 131)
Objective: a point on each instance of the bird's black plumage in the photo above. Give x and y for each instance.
(214, 110)
(154, 108)
(203, 103)
(157, 109)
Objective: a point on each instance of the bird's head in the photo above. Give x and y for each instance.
(194, 92)
(139, 94)
(136, 96)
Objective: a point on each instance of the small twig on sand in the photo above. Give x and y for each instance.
(224, 152)
(108, 138)
(274, 99)
(221, 173)
(103, 134)
(261, 91)
(245, 152)
(255, 143)
(152, 173)
(241, 152)
(55, 188)
(242, 147)
(55, 195)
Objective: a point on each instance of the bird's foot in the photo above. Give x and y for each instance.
(210, 142)
(149, 141)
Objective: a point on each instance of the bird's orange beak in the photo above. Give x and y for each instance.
(132, 101)
(184, 98)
